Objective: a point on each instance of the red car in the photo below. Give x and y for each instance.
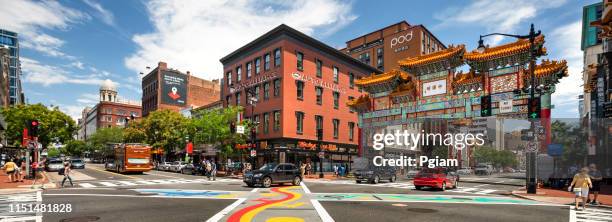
(440, 178)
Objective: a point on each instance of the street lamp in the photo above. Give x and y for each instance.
(253, 101)
(531, 165)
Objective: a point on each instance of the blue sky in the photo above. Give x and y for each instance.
(70, 47)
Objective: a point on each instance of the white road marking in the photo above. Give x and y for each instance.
(36, 218)
(87, 185)
(481, 185)
(145, 182)
(218, 216)
(108, 184)
(126, 183)
(254, 190)
(486, 191)
(325, 217)
(306, 190)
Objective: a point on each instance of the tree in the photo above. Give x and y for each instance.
(55, 126)
(135, 132)
(213, 127)
(167, 129)
(99, 140)
(75, 148)
(440, 151)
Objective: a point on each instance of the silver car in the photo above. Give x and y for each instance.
(163, 166)
(54, 165)
(176, 166)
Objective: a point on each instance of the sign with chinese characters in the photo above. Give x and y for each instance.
(505, 83)
(434, 88)
(505, 106)
(318, 82)
(381, 103)
(253, 81)
(174, 88)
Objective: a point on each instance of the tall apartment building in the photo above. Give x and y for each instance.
(10, 39)
(383, 48)
(166, 88)
(4, 76)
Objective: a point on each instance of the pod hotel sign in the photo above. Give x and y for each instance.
(318, 82)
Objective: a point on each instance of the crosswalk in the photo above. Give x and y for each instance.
(591, 214)
(9, 204)
(406, 185)
(121, 183)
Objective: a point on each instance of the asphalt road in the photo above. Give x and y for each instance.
(167, 196)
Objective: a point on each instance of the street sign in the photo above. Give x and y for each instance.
(540, 130)
(240, 129)
(253, 153)
(555, 149)
(505, 106)
(532, 146)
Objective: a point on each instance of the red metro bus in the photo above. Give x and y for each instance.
(132, 157)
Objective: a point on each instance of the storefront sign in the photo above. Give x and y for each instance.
(318, 82)
(434, 88)
(401, 39)
(256, 79)
(329, 147)
(505, 106)
(306, 145)
(253, 153)
(174, 88)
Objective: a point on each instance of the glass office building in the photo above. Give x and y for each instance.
(8, 38)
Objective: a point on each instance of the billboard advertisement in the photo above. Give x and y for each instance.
(174, 88)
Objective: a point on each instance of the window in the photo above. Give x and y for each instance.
(336, 126)
(379, 58)
(267, 61)
(350, 98)
(351, 80)
(257, 65)
(299, 120)
(319, 95)
(300, 61)
(228, 76)
(336, 100)
(256, 120)
(277, 120)
(300, 89)
(256, 91)
(277, 57)
(277, 83)
(351, 126)
(266, 123)
(237, 98)
(319, 122)
(365, 58)
(238, 73)
(319, 68)
(336, 71)
(249, 69)
(266, 88)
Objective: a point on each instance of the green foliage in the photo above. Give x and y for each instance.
(573, 140)
(75, 148)
(167, 129)
(54, 124)
(440, 151)
(502, 158)
(53, 152)
(212, 127)
(103, 136)
(135, 132)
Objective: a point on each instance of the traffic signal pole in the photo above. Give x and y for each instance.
(531, 156)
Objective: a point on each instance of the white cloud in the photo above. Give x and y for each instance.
(74, 111)
(565, 42)
(194, 35)
(46, 75)
(29, 18)
(88, 99)
(106, 16)
(77, 64)
(495, 16)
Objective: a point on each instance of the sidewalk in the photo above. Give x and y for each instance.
(18, 187)
(557, 196)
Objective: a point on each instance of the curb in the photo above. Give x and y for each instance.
(569, 204)
(492, 183)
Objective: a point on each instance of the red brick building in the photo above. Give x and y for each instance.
(302, 85)
(383, 48)
(165, 88)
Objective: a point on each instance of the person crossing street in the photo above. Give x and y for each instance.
(66, 172)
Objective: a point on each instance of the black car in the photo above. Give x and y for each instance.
(193, 169)
(273, 173)
(77, 164)
(375, 174)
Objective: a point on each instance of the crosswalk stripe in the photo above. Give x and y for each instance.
(466, 189)
(126, 183)
(87, 185)
(108, 184)
(486, 191)
(146, 182)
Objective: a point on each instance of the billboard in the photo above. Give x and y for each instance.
(434, 87)
(174, 88)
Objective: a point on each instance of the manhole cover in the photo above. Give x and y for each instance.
(421, 210)
(80, 219)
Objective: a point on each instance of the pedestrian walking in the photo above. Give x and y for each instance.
(336, 170)
(596, 178)
(66, 172)
(213, 170)
(20, 169)
(38, 168)
(10, 168)
(302, 170)
(308, 168)
(208, 169)
(581, 184)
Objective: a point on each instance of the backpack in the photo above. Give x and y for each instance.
(61, 171)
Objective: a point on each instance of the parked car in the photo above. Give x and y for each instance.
(193, 169)
(54, 165)
(465, 171)
(375, 174)
(77, 164)
(110, 165)
(176, 166)
(163, 166)
(412, 173)
(483, 169)
(273, 173)
(440, 178)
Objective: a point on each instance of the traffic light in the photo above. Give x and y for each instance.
(232, 127)
(534, 108)
(485, 106)
(33, 128)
